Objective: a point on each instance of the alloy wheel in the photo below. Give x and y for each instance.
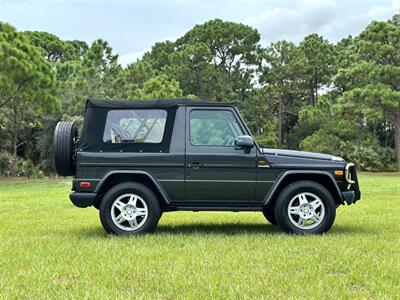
(306, 210)
(129, 212)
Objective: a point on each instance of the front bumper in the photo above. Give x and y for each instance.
(353, 194)
(82, 199)
(349, 197)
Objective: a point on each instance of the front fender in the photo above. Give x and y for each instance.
(278, 184)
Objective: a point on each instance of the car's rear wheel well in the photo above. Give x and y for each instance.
(322, 179)
(118, 178)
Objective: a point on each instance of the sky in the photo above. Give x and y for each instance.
(133, 26)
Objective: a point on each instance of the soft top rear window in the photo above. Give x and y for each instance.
(139, 126)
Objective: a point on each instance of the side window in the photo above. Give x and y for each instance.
(135, 126)
(213, 128)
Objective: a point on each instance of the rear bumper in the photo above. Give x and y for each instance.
(82, 199)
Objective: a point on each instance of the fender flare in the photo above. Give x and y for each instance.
(150, 176)
(274, 188)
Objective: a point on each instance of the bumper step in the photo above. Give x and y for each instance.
(82, 199)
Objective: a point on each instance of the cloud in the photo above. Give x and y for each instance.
(358, 22)
(293, 23)
(333, 20)
(131, 57)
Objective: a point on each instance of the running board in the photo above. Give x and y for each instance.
(217, 208)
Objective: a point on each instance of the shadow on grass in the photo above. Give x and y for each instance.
(240, 228)
(221, 229)
(226, 229)
(188, 229)
(340, 229)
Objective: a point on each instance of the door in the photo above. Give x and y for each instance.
(216, 171)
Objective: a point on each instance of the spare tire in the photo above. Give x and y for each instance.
(65, 135)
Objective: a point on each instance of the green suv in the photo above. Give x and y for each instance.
(138, 159)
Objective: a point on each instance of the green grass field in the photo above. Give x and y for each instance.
(50, 249)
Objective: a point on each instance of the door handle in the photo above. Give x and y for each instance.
(194, 165)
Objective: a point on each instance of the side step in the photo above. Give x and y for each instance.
(217, 208)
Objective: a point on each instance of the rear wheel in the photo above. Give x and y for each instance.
(129, 209)
(305, 207)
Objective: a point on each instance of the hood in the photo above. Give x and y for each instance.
(301, 154)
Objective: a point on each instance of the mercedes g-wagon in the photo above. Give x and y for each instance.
(138, 159)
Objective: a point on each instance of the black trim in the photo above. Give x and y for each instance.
(302, 166)
(271, 193)
(156, 103)
(93, 131)
(216, 208)
(135, 172)
(349, 197)
(357, 192)
(135, 164)
(82, 199)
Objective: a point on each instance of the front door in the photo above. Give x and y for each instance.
(215, 170)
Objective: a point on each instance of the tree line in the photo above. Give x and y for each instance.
(341, 98)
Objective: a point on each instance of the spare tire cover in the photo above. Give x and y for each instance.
(64, 148)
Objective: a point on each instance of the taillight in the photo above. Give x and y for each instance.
(84, 184)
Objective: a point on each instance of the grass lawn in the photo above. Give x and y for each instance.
(50, 249)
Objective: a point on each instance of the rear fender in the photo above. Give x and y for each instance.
(133, 175)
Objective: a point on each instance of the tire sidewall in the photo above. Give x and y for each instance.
(141, 190)
(281, 207)
(64, 148)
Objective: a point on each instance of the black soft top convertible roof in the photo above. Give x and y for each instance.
(121, 104)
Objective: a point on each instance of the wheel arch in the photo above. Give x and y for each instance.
(322, 177)
(144, 177)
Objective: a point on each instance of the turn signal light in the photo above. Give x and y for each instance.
(84, 184)
(339, 173)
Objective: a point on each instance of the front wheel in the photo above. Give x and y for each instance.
(305, 207)
(129, 209)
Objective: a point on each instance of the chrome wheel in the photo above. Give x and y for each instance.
(306, 210)
(129, 212)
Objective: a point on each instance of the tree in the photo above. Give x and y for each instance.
(372, 83)
(135, 75)
(320, 61)
(261, 118)
(234, 49)
(54, 49)
(158, 87)
(160, 55)
(27, 83)
(96, 75)
(191, 67)
(282, 76)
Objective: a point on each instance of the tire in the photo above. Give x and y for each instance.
(312, 208)
(129, 209)
(269, 214)
(64, 148)
(96, 204)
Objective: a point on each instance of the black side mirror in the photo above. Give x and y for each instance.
(244, 141)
